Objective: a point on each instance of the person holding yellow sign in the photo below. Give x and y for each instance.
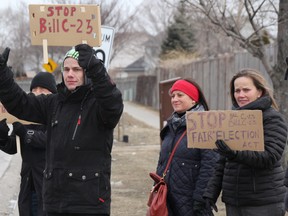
(80, 120)
(252, 182)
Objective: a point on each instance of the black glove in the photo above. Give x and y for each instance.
(20, 130)
(210, 206)
(4, 129)
(88, 60)
(224, 150)
(4, 58)
(199, 208)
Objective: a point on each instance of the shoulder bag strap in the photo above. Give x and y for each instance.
(172, 153)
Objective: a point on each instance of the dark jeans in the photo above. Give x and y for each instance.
(276, 209)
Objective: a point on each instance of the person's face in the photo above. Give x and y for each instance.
(181, 102)
(39, 90)
(73, 74)
(245, 91)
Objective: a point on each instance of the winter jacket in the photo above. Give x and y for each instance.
(286, 178)
(254, 178)
(79, 140)
(32, 149)
(189, 171)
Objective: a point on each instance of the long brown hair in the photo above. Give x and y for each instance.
(259, 82)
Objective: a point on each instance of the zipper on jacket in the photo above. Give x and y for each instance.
(76, 127)
(79, 117)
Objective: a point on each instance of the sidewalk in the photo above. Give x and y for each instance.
(145, 114)
(9, 185)
(10, 166)
(4, 162)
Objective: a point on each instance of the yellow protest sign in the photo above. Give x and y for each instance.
(50, 66)
(65, 25)
(241, 130)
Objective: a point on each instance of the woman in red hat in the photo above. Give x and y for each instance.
(190, 169)
(252, 182)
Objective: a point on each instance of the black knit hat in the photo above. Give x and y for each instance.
(45, 80)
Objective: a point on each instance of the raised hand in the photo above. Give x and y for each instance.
(4, 58)
(88, 60)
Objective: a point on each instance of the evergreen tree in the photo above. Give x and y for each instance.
(180, 34)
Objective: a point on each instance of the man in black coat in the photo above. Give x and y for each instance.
(32, 147)
(80, 121)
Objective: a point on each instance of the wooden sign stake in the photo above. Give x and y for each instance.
(45, 51)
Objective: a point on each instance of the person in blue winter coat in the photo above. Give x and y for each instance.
(80, 120)
(191, 168)
(32, 148)
(252, 182)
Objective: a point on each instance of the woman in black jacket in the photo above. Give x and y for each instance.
(32, 146)
(190, 169)
(252, 183)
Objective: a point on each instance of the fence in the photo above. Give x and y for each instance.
(213, 75)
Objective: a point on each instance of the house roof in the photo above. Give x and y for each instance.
(136, 66)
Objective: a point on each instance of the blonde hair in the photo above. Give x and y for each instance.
(259, 82)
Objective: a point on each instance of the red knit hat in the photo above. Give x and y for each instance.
(186, 87)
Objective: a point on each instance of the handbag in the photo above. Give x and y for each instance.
(157, 199)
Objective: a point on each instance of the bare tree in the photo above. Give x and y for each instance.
(5, 23)
(117, 15)
(152, 20)
(154, 16)
(280, 85)
(16, 36)
(258, 18)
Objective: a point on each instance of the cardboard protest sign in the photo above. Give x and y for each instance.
(65, 25)
(10, 118)
(241, 130)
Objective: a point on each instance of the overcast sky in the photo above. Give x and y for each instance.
(13, 3)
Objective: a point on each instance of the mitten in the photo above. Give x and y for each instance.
(4, 129)
(199, 208)
(224, 150)
(210, 206)
(4, 58)
(19, 129)
(88, 60)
